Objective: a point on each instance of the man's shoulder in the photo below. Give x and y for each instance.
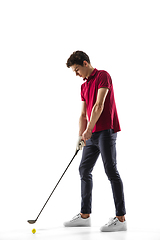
(83, 86)
(103, 72)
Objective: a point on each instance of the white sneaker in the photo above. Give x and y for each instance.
(78, 221)
(114, 225)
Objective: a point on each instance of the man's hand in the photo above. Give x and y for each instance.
(80, 143)
(86, 135)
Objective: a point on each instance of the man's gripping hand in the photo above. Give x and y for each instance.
(80, 143)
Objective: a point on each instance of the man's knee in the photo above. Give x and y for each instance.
(84, 173)
(112, 173)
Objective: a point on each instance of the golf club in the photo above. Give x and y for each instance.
(33, 221)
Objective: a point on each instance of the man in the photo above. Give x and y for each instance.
(98, 127)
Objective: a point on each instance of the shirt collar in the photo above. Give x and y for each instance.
(91, 76)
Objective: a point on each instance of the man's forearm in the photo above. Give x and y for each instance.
(96, 112)
(82, 124)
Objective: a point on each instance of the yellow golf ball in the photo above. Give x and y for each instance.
(33, 230)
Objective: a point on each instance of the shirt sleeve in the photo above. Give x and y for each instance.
(82, 96)
(104, 80)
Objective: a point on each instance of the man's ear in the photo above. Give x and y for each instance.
(85, 63)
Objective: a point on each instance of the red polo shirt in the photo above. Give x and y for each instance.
(109, 117)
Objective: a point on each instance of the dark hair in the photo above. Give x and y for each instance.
(77, 58)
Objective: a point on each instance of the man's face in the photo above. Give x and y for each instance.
(80, 70)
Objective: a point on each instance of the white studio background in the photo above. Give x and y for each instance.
(40, 106)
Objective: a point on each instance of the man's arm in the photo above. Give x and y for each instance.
(96, 112)
(83, 119)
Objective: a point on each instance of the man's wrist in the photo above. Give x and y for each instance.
(89, 129)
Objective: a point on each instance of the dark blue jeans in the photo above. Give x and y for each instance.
(103, 142)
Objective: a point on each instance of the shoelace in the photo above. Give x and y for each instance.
(74, 218)
(111, 221)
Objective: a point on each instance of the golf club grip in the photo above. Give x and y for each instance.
(57, 183)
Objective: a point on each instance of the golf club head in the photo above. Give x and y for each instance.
(31, 221)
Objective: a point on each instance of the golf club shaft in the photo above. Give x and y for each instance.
(57, 184)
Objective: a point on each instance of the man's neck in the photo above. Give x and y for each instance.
(90, 70)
